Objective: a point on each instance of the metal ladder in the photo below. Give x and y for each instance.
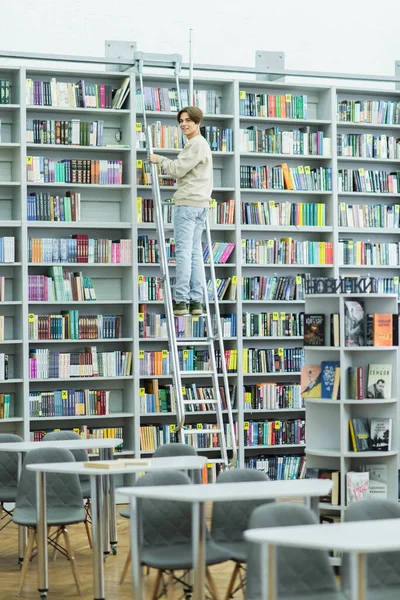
(178, 375)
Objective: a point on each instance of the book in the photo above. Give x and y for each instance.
(354, 330)
(103, 464)
(357, 486)
(381, 434)
(336, 385)
(334, 476)
(377, 480)
(310, 381)
(383, 329)
(335, 335)
(360, 434)
(328, 371)
(379, 385)
(314, 330)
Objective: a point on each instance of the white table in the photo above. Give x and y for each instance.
(359, 538)
(97, 476)
(198, 495)
(105, 449)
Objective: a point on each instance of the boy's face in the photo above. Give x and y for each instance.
(188, 127)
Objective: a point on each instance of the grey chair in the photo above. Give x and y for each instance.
(302, 574)
(64, 504)
(8, 477)
(229, 521)
(167, 537)
(79, 455)
(177, 449)
(383, 569)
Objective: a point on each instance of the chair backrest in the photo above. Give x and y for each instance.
(383, 569)
(80, 455)
(177, 449)
(231, 519)
(165, 523)
(9, 462)
(299, 571)
(63, 491)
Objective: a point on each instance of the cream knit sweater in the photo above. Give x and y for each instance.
(193, 172)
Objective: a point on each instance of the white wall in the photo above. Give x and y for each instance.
(314, 34)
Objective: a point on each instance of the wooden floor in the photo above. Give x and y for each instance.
(61, 583)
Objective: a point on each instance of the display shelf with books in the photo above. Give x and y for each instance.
(351, 416)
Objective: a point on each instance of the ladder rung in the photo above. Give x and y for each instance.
(198, 431)
(193, 342)
(208, 401)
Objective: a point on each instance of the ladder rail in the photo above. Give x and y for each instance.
(232, 462)
(173, 348)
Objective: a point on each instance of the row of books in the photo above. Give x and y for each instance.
(87, 433)
(167, 100)
(68, 133)
(274, 433)
(156, 398)
(65, 94)
(284, 213)
(5, 401)
(370, 434)
(62, 285)
(148, 250)
(369, 482)
(226, 288)
(365, 180)
(220, 139)
(221, 252)
(369, 215)
(284, 106)
(154, 325)
(42, 206)
(44, 364)
(5, 91)
(377, 112)
(373, 382)
(354, 252)
(279, 467)
(79, 248)
(4, 366)
(67, 403)
(40, 169)
(273, 324)
(301, 142)
(153, 363)
(152, 436)
(7, 249)
(220, 213)
(366, 145)
(272, 360)
(286, 251)
(321, 381)
(144, 176)
(275, 288)
(70, 326)
(270, 396)
(282, 177)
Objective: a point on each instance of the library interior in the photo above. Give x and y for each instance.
(222, 263)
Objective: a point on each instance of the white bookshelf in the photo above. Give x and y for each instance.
(327, 421)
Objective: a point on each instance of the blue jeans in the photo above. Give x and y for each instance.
(189, 223)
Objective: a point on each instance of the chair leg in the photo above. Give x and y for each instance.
(170, 592)
(71, 559)
(58, 533)
(126, 567)
(232, 581)
(27, 558)
(211, 585)
(88, 533)
(156, 585)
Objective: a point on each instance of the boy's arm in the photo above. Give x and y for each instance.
(186, 161)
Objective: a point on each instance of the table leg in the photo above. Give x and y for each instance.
(198, 549)
(106, 507)
(22, 531)
(41, 533)
(271, 572)
(113, 511)
(97, 533)
(357, 576)
(136, 540)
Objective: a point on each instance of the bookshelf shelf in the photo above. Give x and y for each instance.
(272, 301)
(78, 302)
(367, 160)
(5, 342)
(324, 401)
(272, 120)
(11, 420)
(273, 447)
(276, 266)
(173, 115)
(285, 156)
(323, 452)
(371, 401)
(170, 188)
(88, 379)
(81, 341)
(121, 415)
(364, 267)
(273, 337)
(83, 186)
(152, 227)
(370, 348)
(275, 374)
(288, 228)
(371, 230)
(177, 150)
(284, 192)
(369, 194)
(367, 125)
(71, 148)
(77, 225)
(10, 183)
(194, 414)
(370, 454)
(263, 411)
(76, 264)
(9, 145)
(82, 111)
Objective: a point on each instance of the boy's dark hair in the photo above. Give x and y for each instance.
(195, 114)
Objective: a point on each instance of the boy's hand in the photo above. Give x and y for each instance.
(153, 158)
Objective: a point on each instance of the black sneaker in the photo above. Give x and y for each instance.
(196, 308)
(180, 308)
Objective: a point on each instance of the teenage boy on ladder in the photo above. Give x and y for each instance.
(193, 172)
